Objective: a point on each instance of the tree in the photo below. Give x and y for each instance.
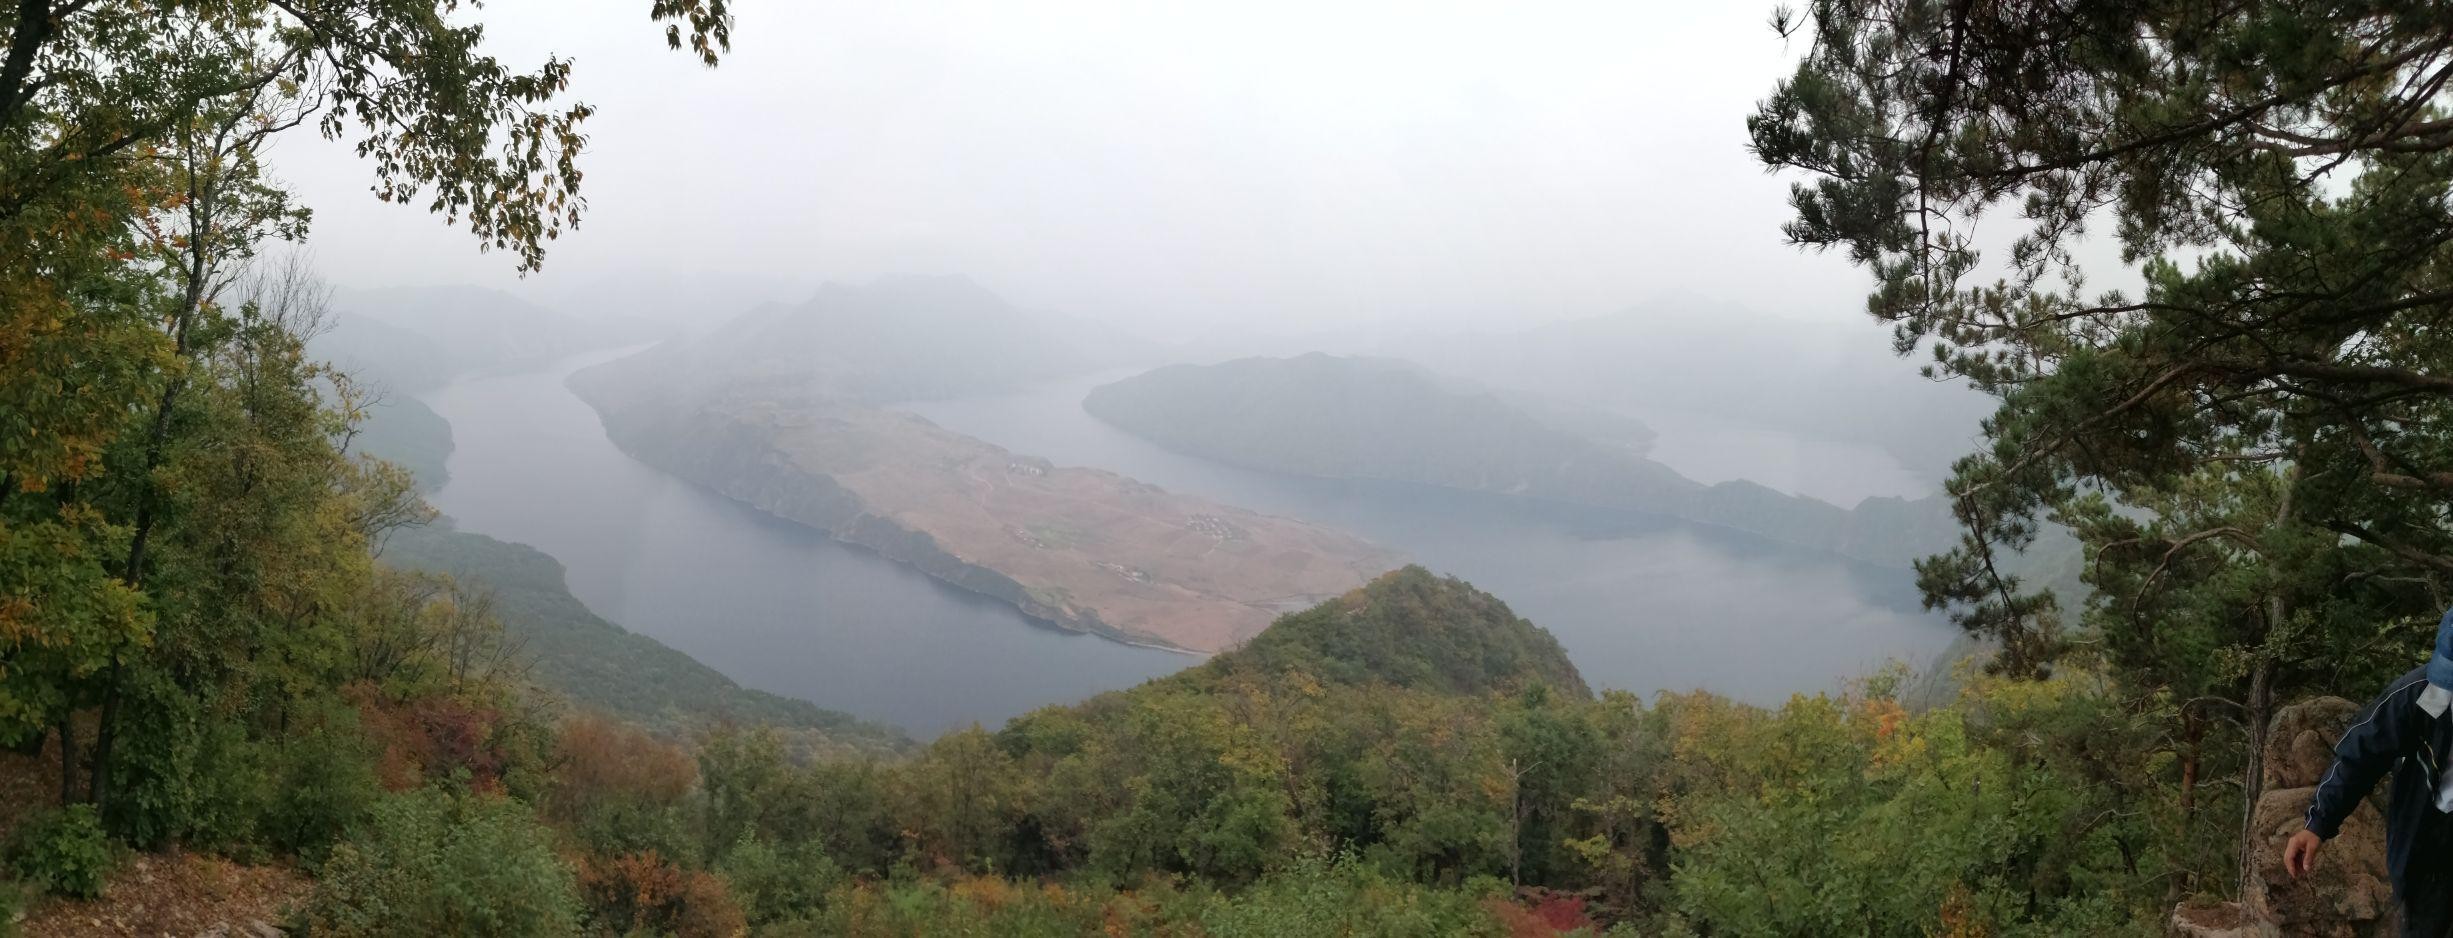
(2255, 448)
(137, 401)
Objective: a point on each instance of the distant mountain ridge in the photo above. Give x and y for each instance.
(1368, 418)
(893, 339)
(408, 340)
(1829, 379)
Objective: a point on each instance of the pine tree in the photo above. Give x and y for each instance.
(2257, 449)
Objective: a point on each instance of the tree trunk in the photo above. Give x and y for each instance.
(2261, 689)
(2192, 752)
(34, 29)
(68, 760)
(105, 732)
(157, 437)
(2252, 773)
(1516, 824)
(2192, 761)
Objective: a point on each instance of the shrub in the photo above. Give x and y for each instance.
(63, 852)
(154, 776)
(621, 791)
(434, 738)
(599, 760)
(234, 789)
(778, 884)
(432, 862)
(12, 904)
(1311, 898)
(985, 905)
(325, 784)
(1341, 897)
(643, 892)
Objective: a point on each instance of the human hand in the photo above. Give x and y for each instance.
(2300, 854)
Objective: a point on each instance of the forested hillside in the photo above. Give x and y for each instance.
(213, 678)
(1414, 760)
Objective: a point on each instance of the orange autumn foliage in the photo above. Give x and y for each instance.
(432, 738)
(599, 760)
(645, 892)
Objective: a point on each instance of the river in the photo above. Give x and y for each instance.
(1641, 603)
(774, 605)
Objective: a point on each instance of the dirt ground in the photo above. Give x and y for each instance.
(150, 894)
(176, 894)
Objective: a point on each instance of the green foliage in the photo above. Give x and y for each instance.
(1851, 814)
(62, 852)
(1339, 897)
(432, 862)
(1414, 629)
(179, 518)
(2253, 448)
(324, 783)
(1313, 896)
(2019, 807)
(778, 884)
(13, 902)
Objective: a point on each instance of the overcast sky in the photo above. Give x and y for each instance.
(1291, 166)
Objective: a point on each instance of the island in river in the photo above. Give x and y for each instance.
(1335, 417)
(1080, 548)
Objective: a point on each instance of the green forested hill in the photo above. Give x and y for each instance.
(1414, 760)
(1412, 629)
(404, 431)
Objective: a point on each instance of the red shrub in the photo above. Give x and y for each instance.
(1542, 914)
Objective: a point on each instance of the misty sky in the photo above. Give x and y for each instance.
(1288, 166)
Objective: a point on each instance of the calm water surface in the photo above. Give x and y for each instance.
(772, 604)
(1642, 603)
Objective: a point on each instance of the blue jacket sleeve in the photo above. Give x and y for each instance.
(2440, 665)
(2388, 730)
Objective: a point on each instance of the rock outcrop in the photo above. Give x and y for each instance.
(2348, 895)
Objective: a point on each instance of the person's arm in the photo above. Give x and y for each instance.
(2440, 665)
(2385, 733)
